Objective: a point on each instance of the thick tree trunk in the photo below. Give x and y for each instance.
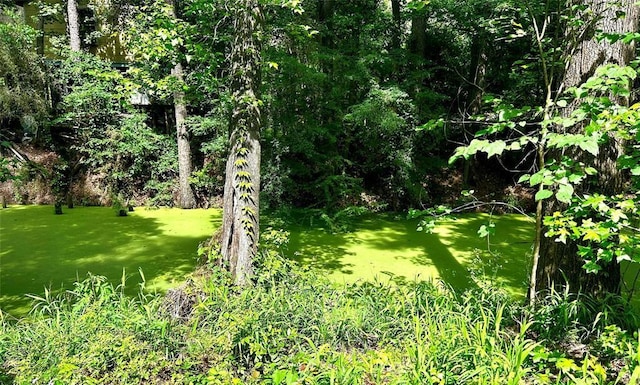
(240, 223)
(186, 199)
(73, 25)
(559, 264)
(69, 197)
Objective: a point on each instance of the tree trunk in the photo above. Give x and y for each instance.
(475, 86)
(325, 9)
(186, 199)
(418, 37)
(325, 13)
(477, 73)
(396, 36)
(73, 25)
(559, 264)
(57, 208)
(69, 198)
(240, 223)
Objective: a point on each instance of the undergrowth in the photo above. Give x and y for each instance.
(293, 327)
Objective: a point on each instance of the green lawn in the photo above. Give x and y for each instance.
(39, 249)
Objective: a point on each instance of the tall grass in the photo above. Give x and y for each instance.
(294, 327)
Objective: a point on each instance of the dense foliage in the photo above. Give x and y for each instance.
(359, 106)
(23, 105)
(345, 85)
(292, 327)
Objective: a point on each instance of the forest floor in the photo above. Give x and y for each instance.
(39, 249)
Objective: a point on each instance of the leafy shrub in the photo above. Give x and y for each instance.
(109, 138)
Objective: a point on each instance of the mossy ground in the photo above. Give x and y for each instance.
(387, 247)
(39, 249)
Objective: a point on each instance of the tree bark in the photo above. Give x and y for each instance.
(57, 208)
(477, 73)
(73, 25)
(397, 24)
(186, 199)
(240, 223)
(325, 13)
(325, 9)
(559, 264)
(418, 37)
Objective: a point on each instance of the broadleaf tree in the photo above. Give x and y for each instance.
(583, 212)
(157, 39)
(241, 208)
(560, 262)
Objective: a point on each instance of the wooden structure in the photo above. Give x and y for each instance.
(51, 23)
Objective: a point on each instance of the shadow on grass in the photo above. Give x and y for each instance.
(392, 246)
(320, 249)
(39, 249)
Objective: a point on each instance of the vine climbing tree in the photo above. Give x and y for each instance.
(240, 226)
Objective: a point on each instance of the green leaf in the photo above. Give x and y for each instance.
(487, 230)
(617, 215)
(565, 193)
(536, 178)
(591, 171)
(590, 146)
(561, 103)
(495, 148)
(592, 267)
(566, 365)
(543, 194)
(524, 178)
(591, 235)
(515, 146)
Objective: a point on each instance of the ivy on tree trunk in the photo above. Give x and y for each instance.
(240, 223)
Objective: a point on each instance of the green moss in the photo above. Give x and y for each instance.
(39, 249)
(386, 247)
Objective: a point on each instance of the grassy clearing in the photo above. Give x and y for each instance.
(386, 247)
(39, 249)
(295, 326)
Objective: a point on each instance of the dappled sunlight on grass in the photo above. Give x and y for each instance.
(386, 247)
(39, 249)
